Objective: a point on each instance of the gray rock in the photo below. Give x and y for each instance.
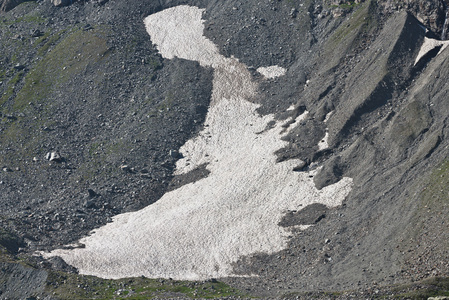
(19, 67)
(293, 13)
(60, 3)
(54, 156)
(309, 215)
(331, 173)
(338, 12)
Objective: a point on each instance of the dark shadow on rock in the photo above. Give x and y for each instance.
(422, 63)
(331, 173)
(303, 141)
(59, 264)
(399, 42)
(192, 176)
(11, 242)
(309, 215)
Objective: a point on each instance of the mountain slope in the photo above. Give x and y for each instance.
(86, 82)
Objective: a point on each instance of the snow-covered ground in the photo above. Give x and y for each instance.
(199, 230)
(428, 45)
(272, 71)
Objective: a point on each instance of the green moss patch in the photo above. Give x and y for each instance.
(2, 75)
(432, 287)
(349, 34)
(70, 286)
(29, 15)
(66, 55)
(70, 57)
(11, 86)
(36, 19)
(361, 21)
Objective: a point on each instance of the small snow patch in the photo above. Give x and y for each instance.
(292, 107)
(181, 35)
(272, 71)
(323, 144)
(301, 227)
(429, 45)
(328, 117)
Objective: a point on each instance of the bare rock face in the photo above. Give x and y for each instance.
(430, 13)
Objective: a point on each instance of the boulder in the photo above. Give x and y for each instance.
(53, 156)
(60, 3)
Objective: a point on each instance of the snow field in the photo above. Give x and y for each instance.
(199, 230)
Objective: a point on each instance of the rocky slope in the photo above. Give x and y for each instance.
(92, 118)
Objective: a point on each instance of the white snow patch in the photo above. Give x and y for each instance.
(292, 107)
(302, 227)
(199, 230)
(181, 35)
(326, 119)
(429, 45)
(323, 144)
(272, 71)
